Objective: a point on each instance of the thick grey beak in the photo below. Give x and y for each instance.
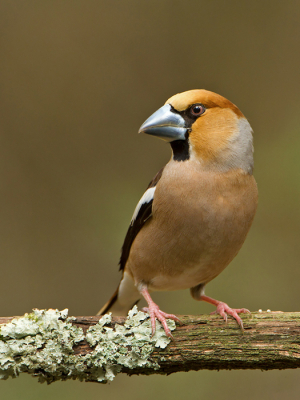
(165, 124)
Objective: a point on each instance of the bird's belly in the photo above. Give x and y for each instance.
(186, 258)
(189, 277)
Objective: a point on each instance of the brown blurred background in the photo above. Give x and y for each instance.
(77, 80)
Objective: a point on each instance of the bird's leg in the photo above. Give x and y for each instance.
(155, 312)
(223, 309)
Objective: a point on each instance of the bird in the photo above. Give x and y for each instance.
(196, 212)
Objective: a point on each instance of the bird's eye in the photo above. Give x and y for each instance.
(197, 109)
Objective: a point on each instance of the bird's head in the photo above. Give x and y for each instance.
(205, 127)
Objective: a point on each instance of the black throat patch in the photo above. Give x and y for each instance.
(181, 148)
(181, 151)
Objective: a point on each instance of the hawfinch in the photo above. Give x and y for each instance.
(196, 212)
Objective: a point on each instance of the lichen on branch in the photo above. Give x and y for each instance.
(42, 344)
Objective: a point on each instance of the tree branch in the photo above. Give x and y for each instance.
(271, 340)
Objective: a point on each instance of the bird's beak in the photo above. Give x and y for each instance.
(166, 124)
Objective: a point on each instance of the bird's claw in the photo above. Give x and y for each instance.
(224, 310)
(154, 313)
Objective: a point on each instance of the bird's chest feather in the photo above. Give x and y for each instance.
(204, 206)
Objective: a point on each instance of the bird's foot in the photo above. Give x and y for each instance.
(223, 309)
(154, 313)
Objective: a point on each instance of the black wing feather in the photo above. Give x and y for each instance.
(145, 213)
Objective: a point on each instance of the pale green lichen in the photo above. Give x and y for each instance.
(41, 343)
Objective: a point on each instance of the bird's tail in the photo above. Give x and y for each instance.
(124, 298)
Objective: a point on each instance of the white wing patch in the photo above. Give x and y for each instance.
(146, 198)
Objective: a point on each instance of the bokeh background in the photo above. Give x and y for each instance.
(77, 80)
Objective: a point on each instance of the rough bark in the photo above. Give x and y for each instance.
(271, 340)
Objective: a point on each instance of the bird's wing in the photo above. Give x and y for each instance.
(142, 213)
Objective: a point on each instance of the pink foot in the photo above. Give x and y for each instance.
(223, 309)
(155, 312)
